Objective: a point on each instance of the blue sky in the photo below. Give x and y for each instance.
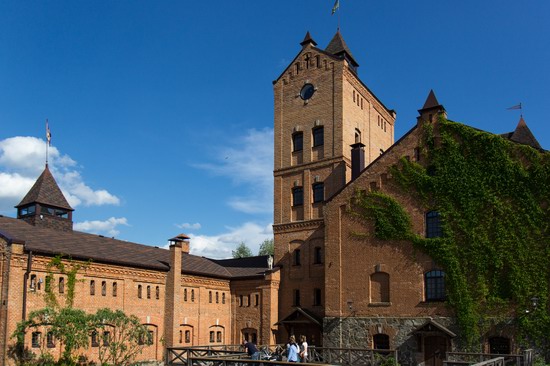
(161, 112)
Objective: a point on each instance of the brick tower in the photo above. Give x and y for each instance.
(322, 108)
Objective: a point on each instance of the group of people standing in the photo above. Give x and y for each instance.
(294, 352)
(297, 352)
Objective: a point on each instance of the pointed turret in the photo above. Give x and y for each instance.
(338, 47)
(523, 135)
(45, 205)
(431, 108)
(308, 40)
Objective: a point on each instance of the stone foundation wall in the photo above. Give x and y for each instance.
(355, 332)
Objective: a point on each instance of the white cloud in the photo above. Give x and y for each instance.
(220, 246)
(22, 159)
(195, 226)
(102, 227)
(249, 163)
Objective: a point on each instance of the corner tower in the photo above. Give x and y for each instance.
(45, 205)
(321, 109)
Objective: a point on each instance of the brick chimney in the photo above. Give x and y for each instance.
(173, 290)
(357, 159)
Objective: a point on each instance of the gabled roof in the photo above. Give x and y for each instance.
(244, 267)
(523, 135)
(432, 326)
(338, 47)
(100, 249)
(46, 191)
(301, 316)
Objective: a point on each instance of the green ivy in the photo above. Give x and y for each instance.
(494, 198)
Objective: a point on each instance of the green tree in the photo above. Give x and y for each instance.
(267, 247)
(123, 337)
(242, 251)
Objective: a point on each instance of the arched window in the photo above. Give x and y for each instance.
(297, 196)
(381, 341)
(187, 336)
(140, 290)
(318, 192)
(61, 285)
(318, 136)
(435, 285)
(433, 225)
(35, 342)
(499, 345)
(380, 287)
(297, 260)
(297, 141)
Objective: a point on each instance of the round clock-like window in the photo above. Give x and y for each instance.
(307, 91)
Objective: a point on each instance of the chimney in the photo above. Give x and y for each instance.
(172, 299)
(357, 159)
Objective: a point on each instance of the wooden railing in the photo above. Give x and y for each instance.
(466, 358)
(232, 355)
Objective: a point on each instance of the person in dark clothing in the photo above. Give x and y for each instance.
(252, 351)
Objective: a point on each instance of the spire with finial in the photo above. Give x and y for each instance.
(308, 40)
(338, 47)
(523, 135)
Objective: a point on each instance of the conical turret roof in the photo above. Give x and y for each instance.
(308, 39)
(337, 46)
(523, 135)
(46, 191)
(431, 101)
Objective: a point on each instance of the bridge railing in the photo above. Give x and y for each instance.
(468, 358)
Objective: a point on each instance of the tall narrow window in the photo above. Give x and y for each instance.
(223, 297)
(298, 141)
(297, 196)
(184, 294)
(32, 285)
(92, 287)
(435, 285)
(248, 300)
(219, 336)
(148, 292)
(181, 336)
(103, 288)
(140, 290)
(318, 136)
(114, 289)
(50, 340)
(433, 225)
(296, 298)
(192, 295)
(318, 192)
(297, 259)
(61, 285)
(256, 299)
(95, 341)
(157, 292)
(317, 297)
(106, 338)
(210, 296)
(217, 297)
(187, 336)
(212, 336)
(380, 287)
(317, 255)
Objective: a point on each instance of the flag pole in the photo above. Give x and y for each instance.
(48, 140)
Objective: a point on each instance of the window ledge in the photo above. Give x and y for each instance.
(379, 304)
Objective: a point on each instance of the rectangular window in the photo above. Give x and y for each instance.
(318, 136)
(435, 285)
(317, 255)
(50, 340)
(210, 297)
(95, 341)
(148, 292)
(318, 192)
(217, 297)
(114, 289)
(296, 298)
(256, 300)
(219, 337)
(212, 336)
(92, 287)
(140, 289)
(192, 295)
(317, 297)
(297, 196)
(157, 292)
(187, 336)
(36, 339)
(150, 337)
(297, 259)
(103, 288)
(433, 225)
(185, 295)
(61, 285)
(298, 141)
(223, 297)
(106, 338)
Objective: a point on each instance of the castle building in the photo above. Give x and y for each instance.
(184, 300)
(334, 138)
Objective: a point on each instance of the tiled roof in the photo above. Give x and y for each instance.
(308, 39)
(431, 101)
(100, 249)
(338, 46)
(46, 191)
(245, 267)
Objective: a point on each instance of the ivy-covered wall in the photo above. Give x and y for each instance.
(494, 198)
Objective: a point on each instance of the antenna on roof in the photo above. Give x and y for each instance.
(48, 139)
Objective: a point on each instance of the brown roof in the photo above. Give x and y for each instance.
(431, 101)
(337, 46)
(84, 246)
(244, 267)
(308, 39)
(46, 191)
(523, 135)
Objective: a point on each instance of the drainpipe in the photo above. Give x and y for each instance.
(25, 289)
(4, 305)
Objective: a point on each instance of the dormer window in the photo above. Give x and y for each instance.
(58, 212)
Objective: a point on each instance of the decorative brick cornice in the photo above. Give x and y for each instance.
(299, 225)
